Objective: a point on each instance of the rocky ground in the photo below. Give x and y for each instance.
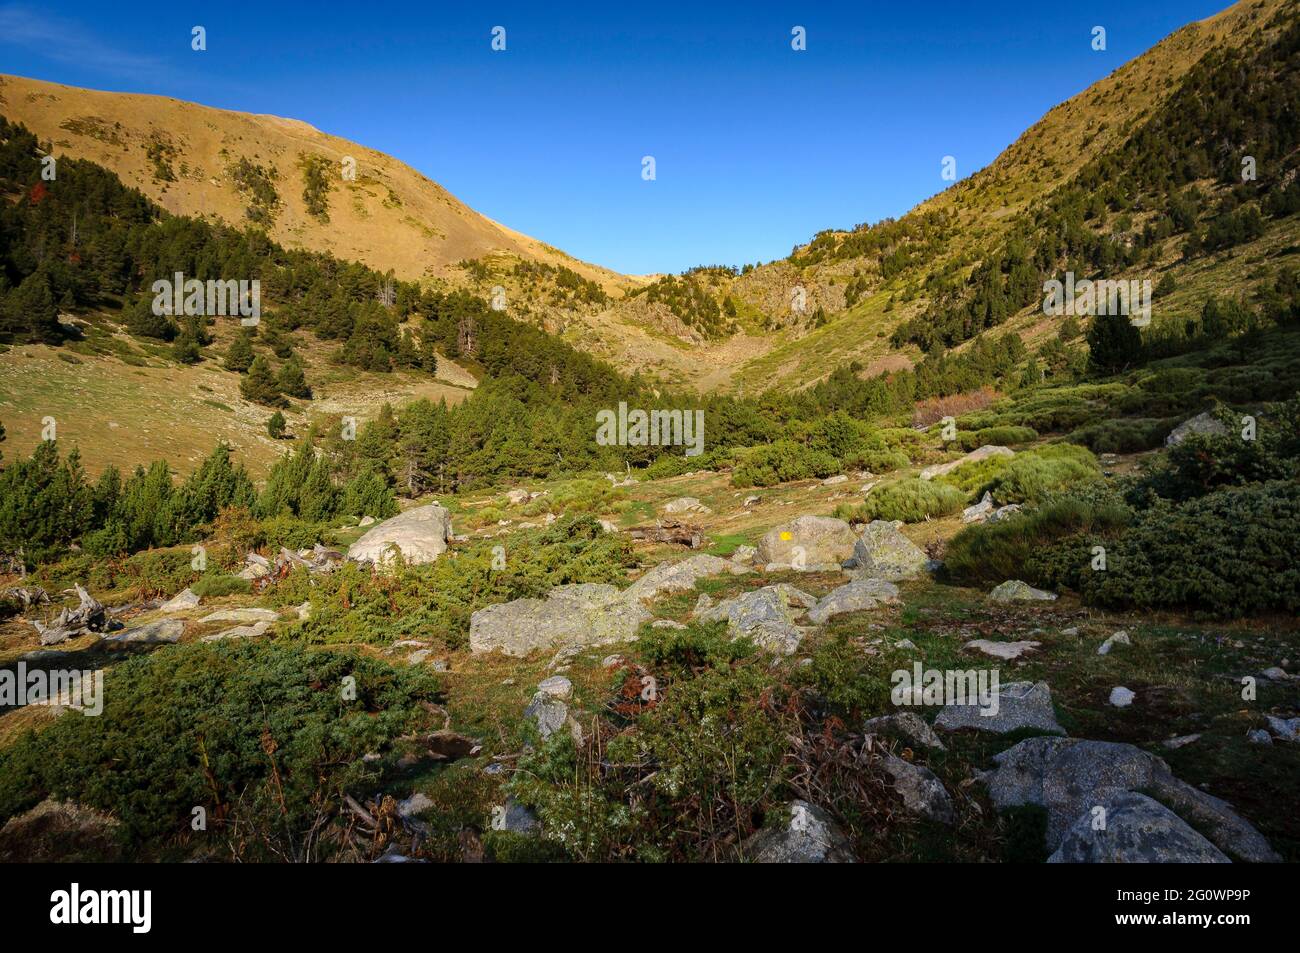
(1127, 738)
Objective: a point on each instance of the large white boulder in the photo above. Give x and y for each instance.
(420, 535)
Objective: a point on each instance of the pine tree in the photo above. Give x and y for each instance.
(239, 356)
(275, 426)
(259, 384)
(292, 381)
(1113, 343)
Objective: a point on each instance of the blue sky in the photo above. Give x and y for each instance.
(757, 147)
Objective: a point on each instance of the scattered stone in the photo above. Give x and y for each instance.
(806, 541)
(1003, 512)
(1072, 630)
(1119, 638)
(609, 526)
(162, 631)
(939, 469)
(703, 603)
(366, 521)
(420, 535)
(810, 836)
(185, 599)
(239, 632)
(1204, 423)
(744, 555)
(835, 480)
(1121, 697)
(1284, 729)
(417, 803)
(685, 504)
(882, 551)
(676, 577)
(418, 656)
(922, 792)
(518, 819)
(855, 596)
(556, 686)
(1180, 742)
(612, 661)
(1013, 590)
(1276, 674)
(582, 614)
(751, 500)
(1006, 651)
(517, 497)
(241, 615)
(907, 725)
(978, 512)
(1258, 736)
(1069, 776)
(904, 644)
(1137, 830)
(666, 624)
(1016, 706)
(304, 611)
(764, 616)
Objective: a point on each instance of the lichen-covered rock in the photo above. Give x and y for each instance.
(855, 596)
(1137, 830)
(1007, 651)
(882, 551)
(922, 792)
(161, 631)
(809, 836)
(1204, 423)
(1069, 776)
(939, 469)
(1013, 590)
(185, 599)
(979, 512)
(907, 725)
(420, 534)
(584, 614)
(685, 504)
(766, 616)
(1018, 705)
(251, 614)
(677, 577)
(807, 541)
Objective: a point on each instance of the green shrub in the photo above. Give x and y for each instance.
(1028, 476)
(1229, 553)
(782, 462)
(911, 500)
(995, 552)
(258, 733)
(1005, 436)
(1124, 434)
(212, 587)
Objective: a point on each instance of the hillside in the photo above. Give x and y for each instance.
(188, 158)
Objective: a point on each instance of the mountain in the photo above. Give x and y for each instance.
(281, 173)
(869, 280)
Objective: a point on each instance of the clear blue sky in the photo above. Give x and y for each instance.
(757, 146)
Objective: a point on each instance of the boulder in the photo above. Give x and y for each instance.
(420, 534)
(242, 615)
(583, 614)
(1007, 651)
(1205, 423)
(766, 616)
(1069, 776)
(556, 686)
(1019, 705)
(922, 792)
(807, 541)
(551, 714)
(1284, 729)
(855, 596)
(161, 631)
(1003, 512)
(1137, 830)
(517, 497)
(809, 836)
(1119, 638)
(239, 632)
(979, 512)
(185, 599)
(685, 504)
(939, 469)
(906, 725)
(1013, 590)
(676, 577)
(883, 551)
(835, 480)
